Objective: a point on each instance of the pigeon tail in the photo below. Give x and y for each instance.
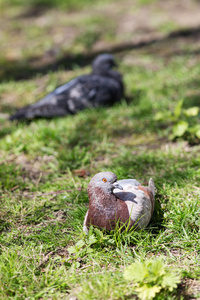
(20, 115)
(152, 186)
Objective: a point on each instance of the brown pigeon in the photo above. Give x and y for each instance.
(102, 87)
(124, 202)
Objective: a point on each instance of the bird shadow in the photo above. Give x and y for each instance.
(157, 220)
(18, 69)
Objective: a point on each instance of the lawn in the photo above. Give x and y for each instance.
(46, 165)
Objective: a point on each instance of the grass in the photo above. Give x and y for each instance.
(46, 165)
(69, 5)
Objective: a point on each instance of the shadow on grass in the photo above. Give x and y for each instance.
(34, 8)
(192, 100)
(5, 130)
(22, 70)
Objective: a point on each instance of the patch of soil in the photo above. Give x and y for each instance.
(189, 289)
(133, 25)
(34, 169)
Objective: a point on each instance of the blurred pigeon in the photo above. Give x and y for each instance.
(102, 87)
(124, 202)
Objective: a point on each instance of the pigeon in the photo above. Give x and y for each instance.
(103, 87)
(125, 203)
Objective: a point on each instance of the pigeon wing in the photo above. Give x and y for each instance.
(139, 200)
(93, 91)
(82, 92)
(54, 104)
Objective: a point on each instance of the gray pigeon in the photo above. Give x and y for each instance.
(124, 202)
(103, 87)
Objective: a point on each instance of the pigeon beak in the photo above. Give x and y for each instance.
(116, 185)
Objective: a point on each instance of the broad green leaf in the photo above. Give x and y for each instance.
(150, 277)
(170, 281)
(180, 128)
(136, 272)
(191, 112)
(80, 244)
(75, 265)
(89, 250)
(159, 116)
(147, 293)
(178, 108)
(163, 116)
(77, 247)
(157, 268)
(72, 249)
(98, 232)
(92, 240)
(91, 230)
(111, 241)
(197, 133)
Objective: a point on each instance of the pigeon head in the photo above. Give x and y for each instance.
(103, 63)
(106, 181)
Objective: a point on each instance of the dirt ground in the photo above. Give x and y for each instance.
(120, 26)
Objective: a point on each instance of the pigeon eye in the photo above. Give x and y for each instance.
(104, 180)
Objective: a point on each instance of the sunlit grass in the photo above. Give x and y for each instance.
(46, 165)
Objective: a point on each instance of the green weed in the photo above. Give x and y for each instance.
(150, 278)
(185, 123)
